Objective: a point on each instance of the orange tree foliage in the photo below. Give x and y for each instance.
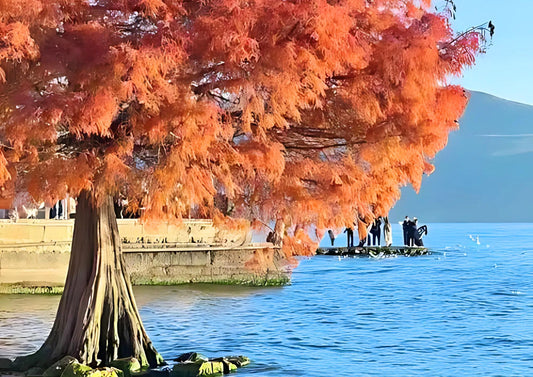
(314, 112)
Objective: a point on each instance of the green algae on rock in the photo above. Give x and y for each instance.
(197, 369)
(30, 288)
(127, 365)
(192, 357)
(239, 361)
(57, 368)
(193, 364)
(76, 369)
(80, 370)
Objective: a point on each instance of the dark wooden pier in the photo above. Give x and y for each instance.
(374, 251)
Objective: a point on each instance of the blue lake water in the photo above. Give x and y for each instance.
(465, 310)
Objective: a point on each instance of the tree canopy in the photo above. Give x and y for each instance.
(315, 112)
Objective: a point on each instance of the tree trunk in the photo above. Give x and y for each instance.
(97, 320)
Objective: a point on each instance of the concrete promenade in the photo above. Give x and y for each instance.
(34, 255)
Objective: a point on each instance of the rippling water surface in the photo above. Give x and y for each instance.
(466, 310)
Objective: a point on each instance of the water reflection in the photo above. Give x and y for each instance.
(25, 321)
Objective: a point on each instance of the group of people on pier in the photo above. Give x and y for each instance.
(412, 234)
(373, 237)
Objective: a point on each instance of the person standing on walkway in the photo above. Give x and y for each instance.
(361, 231)
(377, 233)
(387, 232)
(411, 231)
(374, 237)
(405, 226)
(416, 241)
(331, 237)
(349, 236)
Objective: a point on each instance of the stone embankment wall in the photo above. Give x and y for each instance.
(34, 254)
(131, 231)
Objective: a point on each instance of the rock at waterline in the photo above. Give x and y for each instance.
(228, 366)
(80, 370)
(6, 364)
(193, 364)
(127, 365)
(197, 369)
(106, 372)
(35, 371)
(239, 361)
(163, 372)
(59, 366)
(191, 356)
(231, 363)
(76, 369)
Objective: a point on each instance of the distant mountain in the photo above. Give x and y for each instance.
(485, 173)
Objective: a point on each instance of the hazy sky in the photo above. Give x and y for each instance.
(506, 70)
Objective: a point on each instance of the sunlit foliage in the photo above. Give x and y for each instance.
(313, 112)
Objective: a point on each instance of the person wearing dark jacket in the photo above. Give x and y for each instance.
(412, 231)
(405, 226)
(349, 236)
(362, 227)
(375, 232)
(423, 230)
(331, 237)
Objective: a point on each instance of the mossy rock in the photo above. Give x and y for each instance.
(80, 370)
(198, 369)
(127, 365)
(6, 364)
(193, 364)
(228, 365)
(194, 357)
(165, 372)
(106, 372)
(59, 366)
(211, 368)
(239, 361)
(76, 369)
(141, 373)
(35, 371)
(232, 367)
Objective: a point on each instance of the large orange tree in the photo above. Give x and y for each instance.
(311, 113)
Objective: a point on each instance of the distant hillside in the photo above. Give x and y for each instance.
(485, 173)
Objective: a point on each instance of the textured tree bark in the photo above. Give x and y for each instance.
(97, 320)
